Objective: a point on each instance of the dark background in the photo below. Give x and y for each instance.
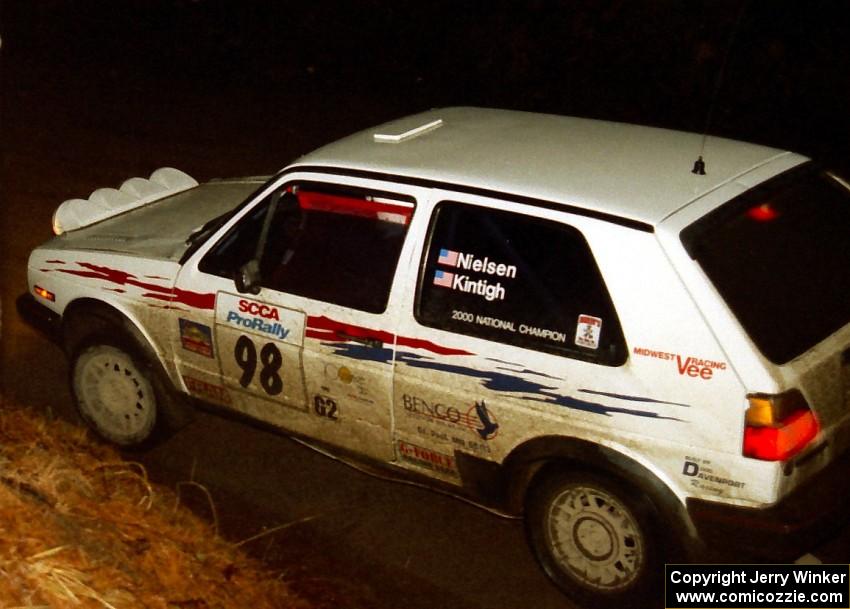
(271, 80)
(93, 92)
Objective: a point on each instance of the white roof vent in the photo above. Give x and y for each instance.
(386, 138)
(104, 203)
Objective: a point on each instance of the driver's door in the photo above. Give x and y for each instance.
(308, 342)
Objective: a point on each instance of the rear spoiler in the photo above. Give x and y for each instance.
(104, 203)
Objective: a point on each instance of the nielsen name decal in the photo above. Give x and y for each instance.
(469, 262)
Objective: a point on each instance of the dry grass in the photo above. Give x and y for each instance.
(81, 528)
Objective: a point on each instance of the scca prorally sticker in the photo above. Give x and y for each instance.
(196, 337)
(690, 366)
(260, 318)
(427, 458)
(588, 331)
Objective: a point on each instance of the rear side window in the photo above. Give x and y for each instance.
(327, 243)
(780, 257)
(518, 280)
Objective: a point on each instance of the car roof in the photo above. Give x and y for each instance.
(634, 172)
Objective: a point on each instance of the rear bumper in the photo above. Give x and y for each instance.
(39, 317)
(782, 532)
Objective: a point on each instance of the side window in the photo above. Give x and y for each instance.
(518, 280)
(327, 243)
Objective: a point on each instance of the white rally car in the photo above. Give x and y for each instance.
(565, 318)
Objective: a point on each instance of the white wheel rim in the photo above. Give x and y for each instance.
(114, 394)
(595, 538)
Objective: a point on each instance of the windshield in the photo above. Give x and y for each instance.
(780, 256)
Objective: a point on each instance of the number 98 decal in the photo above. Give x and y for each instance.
(270, 360)
(266, 369)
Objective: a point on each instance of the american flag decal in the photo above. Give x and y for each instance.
(443, 279)
(447, 257)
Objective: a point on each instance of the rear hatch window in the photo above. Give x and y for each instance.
(780, 257)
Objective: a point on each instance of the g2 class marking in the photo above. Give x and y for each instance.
(326, 407)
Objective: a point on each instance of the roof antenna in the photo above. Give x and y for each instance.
(699, 164)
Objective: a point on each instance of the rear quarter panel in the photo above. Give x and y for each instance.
(819, 373)
(675, 406)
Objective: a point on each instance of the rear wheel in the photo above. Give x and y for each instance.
(595, 539)
(115, 392)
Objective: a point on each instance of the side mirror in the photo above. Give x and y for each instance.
(247, 278)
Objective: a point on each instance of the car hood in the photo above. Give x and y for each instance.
(160, 229)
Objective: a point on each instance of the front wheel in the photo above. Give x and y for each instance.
(115, 393)
(595, 539)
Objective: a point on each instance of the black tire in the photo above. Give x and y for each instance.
(117, 393)
(595, 537)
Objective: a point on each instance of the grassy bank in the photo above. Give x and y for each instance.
(81, 527)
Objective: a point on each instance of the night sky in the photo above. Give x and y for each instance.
(332, 68)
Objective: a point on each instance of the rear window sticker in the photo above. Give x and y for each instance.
(587, 331)
(196, 337)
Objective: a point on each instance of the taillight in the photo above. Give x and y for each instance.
(778, 427)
